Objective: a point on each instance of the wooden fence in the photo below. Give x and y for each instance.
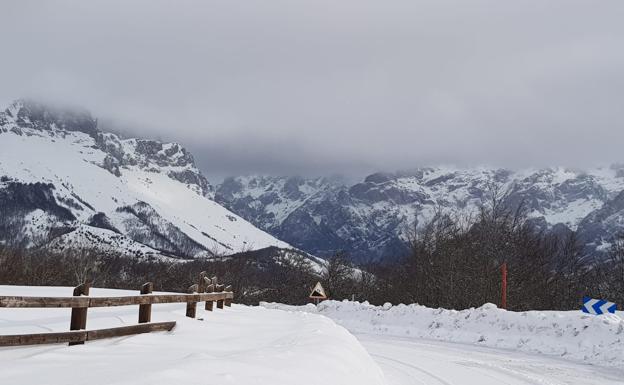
(207, 290)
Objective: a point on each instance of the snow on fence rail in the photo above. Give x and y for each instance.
(207, 290)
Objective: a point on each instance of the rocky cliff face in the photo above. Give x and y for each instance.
(26, 117)
(65, 183)
(599, 228)
(372, 219)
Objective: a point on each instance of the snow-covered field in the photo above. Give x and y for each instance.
(570, 335)
(238, 345)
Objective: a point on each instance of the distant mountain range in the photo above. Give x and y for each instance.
(372, 219)
(65, 184)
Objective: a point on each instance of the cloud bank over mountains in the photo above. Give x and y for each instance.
(318, 87)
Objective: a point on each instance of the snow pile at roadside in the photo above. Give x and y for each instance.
(239, 345)
(568, 334)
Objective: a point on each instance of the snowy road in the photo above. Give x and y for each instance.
(413, 361)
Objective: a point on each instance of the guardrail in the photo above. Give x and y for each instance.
(207, 290)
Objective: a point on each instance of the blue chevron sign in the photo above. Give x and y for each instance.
(597, 306)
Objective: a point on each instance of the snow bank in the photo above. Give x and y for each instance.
(238, 345)
(570, 334)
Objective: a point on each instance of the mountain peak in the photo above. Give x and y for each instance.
(65, 183)
(31, 114)
(371, 219)
(31, 117)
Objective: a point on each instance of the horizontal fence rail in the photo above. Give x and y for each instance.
(207, 290)
(78, 336)
(147, 299)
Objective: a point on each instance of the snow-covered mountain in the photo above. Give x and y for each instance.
(65, 183)
(372, 219)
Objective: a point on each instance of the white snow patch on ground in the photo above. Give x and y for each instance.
(238, 345)
(570, 335)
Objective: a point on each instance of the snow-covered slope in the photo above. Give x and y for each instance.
(60, 175)
(371, 219)
(239, 345)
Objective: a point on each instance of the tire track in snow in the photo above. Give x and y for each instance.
(398, 369)
(414, 367)
(411, 361)
(485, 368)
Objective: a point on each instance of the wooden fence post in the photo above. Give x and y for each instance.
(191, 307)
(145, 311)
(214, 283)
(219, 289)
(201, 284)
(207, 283)
(209, 304)
(79, 314)
(228, 301)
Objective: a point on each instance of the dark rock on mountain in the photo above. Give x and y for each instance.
(31, 114)
(600, 227)
(65, 184)
(373, 219)
(18, 197)
(143, 224)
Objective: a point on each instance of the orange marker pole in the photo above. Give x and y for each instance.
(504, 286)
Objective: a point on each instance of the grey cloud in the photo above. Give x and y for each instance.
(319, 87)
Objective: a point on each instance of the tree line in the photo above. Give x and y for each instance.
(275, 279)
(454, 262)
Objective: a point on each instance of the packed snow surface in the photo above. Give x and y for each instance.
(238, 345)
(570, 335)
(409, 361)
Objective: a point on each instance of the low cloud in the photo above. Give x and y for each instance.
(323, 87)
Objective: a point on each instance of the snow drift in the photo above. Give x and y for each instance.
(239, 345)
(569, 334)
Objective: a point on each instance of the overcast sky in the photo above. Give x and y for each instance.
(334, 86)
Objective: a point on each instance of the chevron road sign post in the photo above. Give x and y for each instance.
(597, 306)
